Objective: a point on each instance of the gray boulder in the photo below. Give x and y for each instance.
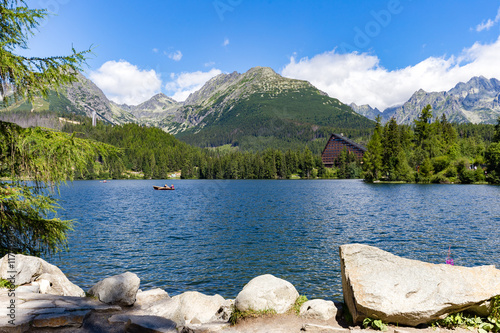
(267, 292)
(318, 309)
(30, 269)
(380, 285)
(119, 289)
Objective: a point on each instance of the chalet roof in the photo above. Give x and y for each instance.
(338, 136)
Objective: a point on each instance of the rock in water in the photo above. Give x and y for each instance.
(380, 285)
(267, 292)
(119, 289)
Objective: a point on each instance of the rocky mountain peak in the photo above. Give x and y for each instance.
(237, 86)
(475, 101)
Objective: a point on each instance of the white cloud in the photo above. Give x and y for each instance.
(360, 78)
(186, 83)
(123, 82)
(487, 25)
(226, 42)
(155, 50)
(175, 56)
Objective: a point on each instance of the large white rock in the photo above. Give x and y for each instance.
(378, 284)
(192, 307)
(267, 292)
(29, 269)
(118, 289)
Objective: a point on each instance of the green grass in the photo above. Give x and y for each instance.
(237, 314)
(298, 303)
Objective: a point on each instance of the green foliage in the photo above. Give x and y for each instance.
(492, 156)
(6, 284)
(467, 320)
(376, 324)
(432, 152)
(493, 162)
(298, 303)
(30, 76)
(36, 161)
(348, 165)
(237, 315)
(372, 159)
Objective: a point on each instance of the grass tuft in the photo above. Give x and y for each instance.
(237, 314)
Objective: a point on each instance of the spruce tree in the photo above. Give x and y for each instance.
(372, 159)
(492, 157)
(392, 146)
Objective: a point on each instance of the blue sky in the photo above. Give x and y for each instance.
(364, 51)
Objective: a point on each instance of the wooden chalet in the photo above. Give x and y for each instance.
(334, 147)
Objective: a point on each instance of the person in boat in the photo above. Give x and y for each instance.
(166, 186)
(172, 187)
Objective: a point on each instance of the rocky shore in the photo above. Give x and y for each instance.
(376, 285)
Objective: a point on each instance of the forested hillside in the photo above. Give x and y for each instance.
(151, 153)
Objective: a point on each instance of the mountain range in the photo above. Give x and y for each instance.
(476, 101)
(255, 109)
(262, 108)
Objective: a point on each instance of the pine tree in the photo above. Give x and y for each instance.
(492, 156)
(423, 130)
(372, 159)
(391, 143)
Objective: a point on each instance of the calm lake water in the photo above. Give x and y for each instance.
(214, 236)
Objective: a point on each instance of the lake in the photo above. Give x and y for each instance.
(213, 236)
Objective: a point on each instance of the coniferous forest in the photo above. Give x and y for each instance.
(433, 151)
(149, 152)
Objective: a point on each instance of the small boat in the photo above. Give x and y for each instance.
(163, 188)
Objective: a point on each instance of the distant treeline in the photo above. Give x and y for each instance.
(433, 152)
(154, 153)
